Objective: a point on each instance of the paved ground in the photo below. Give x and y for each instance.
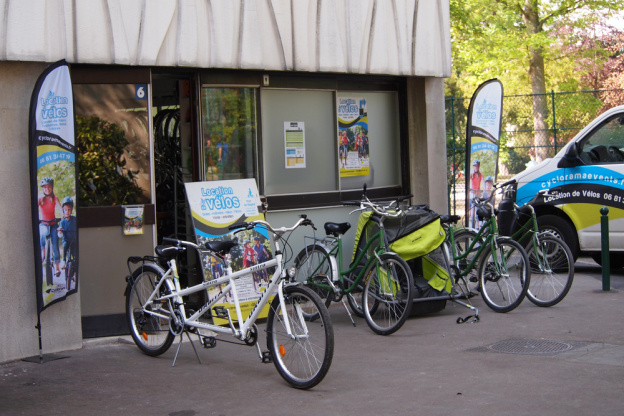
(432, 366)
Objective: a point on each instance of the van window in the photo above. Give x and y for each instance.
(605, 144)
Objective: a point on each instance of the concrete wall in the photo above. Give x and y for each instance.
(61, 327)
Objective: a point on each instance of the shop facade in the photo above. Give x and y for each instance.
(208, 91)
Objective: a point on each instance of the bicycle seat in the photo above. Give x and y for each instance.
(334, 228)
(449, 219)
(220, 247)
(168, 252)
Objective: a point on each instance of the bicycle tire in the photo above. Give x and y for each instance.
(463, 238)
(504, 286)
(552, 271)
(150, 333)
(312, 267)
(303, 359)
(394, 294)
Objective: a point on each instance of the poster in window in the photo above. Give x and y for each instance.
(132, 219)
(353, 138)
(215, 205)
(294, 144)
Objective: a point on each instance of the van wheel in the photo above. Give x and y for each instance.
(561, 228)
(614, 263)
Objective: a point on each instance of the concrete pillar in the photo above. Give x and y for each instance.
(427, 142)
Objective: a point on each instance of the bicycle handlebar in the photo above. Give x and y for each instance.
(251, 225)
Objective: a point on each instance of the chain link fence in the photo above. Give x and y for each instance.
(521, 144)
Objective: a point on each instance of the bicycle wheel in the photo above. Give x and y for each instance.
(552, 270)
(504, 275)
(313, 268)
(390, 283)
(150, 333)
(304, 358)
(463, 238)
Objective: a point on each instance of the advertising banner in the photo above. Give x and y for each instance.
(53, 177)
(353, 136)
(216, 205)
(482, 143)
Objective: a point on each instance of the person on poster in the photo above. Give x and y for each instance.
(48, 224)
(476, 177)
(344, 147)
(249, 259)
(359, 146)
(68, 231)
(262, 255)
(489, 184)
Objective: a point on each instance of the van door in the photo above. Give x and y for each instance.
(598, 182)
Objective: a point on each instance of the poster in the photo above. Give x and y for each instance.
(482, 143)
(216, 205)
(294, 144)
(53, 176)
(353, 137)
(132, 219)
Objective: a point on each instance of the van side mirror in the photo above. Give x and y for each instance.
(570, 158)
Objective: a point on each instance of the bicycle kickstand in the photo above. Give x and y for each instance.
(348, 312)
(180, 344)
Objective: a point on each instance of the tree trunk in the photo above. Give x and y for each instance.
(541, 142)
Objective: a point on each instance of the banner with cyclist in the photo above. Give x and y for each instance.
(216, 205)
(53, 174)
(353, 136)
(482, 143)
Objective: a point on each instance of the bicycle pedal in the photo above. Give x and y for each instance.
(266, 357)
(209, 342)
(220, 312)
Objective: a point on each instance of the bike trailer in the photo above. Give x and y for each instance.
(416, 237)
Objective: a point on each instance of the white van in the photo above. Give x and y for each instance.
(586, 175)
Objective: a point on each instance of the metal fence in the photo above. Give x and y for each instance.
(521, 144)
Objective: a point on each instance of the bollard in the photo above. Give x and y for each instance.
(606, 258)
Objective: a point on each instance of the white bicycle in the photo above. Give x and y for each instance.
(300, 337)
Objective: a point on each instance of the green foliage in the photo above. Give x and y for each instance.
(495, 39)
(103, 179)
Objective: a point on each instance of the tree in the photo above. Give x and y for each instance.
(103, 178)
(514, 40)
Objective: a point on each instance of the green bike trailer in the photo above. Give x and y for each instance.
(417, 237)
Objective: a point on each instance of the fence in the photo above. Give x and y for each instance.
(521, 143)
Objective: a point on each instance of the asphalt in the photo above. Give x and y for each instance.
(563, 360)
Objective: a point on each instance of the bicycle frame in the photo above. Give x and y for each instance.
(245, 324)
(486, 234)
(334, 256)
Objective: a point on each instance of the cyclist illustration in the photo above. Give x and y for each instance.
(48, 224)
(249, 259)
(344, 147)
(68, 230)
(262, 254)
(475, 189)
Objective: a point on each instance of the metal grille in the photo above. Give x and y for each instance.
(530, 347)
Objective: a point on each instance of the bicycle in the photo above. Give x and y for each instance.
(503, 274)
(550, 259)
(300, 347)
(383, 279)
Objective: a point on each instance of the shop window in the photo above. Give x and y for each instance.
(371, 154)
(113, 144)
(229, 132)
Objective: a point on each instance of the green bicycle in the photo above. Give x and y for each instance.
(503, 274)
(550, 259)
(378, 285)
